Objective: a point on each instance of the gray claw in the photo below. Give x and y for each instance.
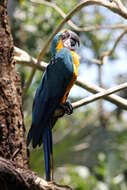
(68, 108)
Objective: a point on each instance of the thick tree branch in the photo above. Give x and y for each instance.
(12, 177)
(25, 59)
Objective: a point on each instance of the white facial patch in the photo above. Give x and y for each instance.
(67, 43)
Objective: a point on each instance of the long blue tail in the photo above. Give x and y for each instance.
(48, 152)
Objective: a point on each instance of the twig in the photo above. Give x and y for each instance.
(110, 52)
(25, 59)
(99, 95)
(94, 61)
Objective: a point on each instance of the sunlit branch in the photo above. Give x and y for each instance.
(22, 57)
(120, 6)
(25, 59)
(113, 98)
(72, 24)
(99, 95)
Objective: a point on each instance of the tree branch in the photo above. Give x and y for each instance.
(110, 52)
(72, 24)
(99, 95)
(23, 57)
(115, 99)
(12, 177)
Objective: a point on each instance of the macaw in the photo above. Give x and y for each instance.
(55, 85)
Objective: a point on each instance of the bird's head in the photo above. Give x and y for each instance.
(67, 39)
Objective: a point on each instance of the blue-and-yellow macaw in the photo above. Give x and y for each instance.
(52, 92)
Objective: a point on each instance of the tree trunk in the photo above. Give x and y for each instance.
(14, 172)
(12, 141)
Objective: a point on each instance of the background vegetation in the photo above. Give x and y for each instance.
(90, 145)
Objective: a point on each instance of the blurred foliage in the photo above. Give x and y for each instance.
(87, 155)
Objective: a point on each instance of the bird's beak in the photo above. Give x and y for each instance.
(75, 37)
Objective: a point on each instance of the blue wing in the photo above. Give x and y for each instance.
(49, 94)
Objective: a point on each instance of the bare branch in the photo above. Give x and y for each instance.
(22, 57)
(120, 5)
(72, 24)
(21, 178)
(110, 52)
(115, 99)
(102, 27)
(99, 95)
(25, 59)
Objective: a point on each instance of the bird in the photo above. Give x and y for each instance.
(52, 92)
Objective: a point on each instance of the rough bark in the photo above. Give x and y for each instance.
(12, 141)
(14, 172)
(18, 178)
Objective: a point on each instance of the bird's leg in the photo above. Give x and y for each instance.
(63, 108)
(67, 107)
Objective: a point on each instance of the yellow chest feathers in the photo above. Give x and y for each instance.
(75, 57)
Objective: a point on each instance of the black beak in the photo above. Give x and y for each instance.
(74, 37)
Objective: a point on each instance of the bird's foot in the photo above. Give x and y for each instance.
(67, 107)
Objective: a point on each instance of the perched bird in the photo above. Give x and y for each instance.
(52, 93)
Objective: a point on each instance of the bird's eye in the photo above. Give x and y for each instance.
(73, 42)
